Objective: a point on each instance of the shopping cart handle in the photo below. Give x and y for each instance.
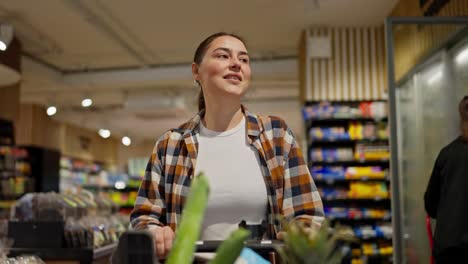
(135, 247)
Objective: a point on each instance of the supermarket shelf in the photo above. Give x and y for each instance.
(367, 239)
(341, 142)
(340, 102)
(109, 188)
(5, 204)
(362, 219)
(314, 122)
(382, 163)
(336, 188)
(376, 257)
(6, 174)
(126, 206)
(348, 199)
(363, 179)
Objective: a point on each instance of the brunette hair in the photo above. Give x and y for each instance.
(200, 53)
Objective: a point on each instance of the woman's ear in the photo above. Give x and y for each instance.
(195, 74)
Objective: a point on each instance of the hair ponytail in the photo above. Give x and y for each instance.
(463, 110)
(201, 100)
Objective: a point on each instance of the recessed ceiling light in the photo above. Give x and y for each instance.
(51, 110)
(105, 133)
(126, 141)
(87, 102)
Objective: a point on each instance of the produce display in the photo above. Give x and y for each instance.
(90, 221)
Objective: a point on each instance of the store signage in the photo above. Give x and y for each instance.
(432, 7)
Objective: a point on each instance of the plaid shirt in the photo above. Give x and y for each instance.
(291, 190)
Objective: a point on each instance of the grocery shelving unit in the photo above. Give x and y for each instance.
(15, 170)
(348, 156)
(96, 177)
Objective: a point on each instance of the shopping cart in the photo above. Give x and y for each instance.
(429, 235)
(136, 247)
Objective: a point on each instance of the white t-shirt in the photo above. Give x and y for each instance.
(237, 188)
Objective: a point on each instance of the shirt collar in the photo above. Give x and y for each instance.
(193, 125)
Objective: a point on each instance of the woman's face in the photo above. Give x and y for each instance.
(225, 68)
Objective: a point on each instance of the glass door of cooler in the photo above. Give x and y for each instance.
(459, 58)
(426, 121)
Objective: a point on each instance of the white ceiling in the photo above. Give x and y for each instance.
(133, 57)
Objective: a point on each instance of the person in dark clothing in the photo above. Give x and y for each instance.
(446, 197)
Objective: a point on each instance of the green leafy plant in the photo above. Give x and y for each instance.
(190, 227)
(304, 245)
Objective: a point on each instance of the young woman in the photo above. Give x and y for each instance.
(254, 165)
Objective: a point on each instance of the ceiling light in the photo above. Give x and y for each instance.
(51, 110)
(105, 133)
(126, 141)
(87, 102)
(462, 56)
(6, 36)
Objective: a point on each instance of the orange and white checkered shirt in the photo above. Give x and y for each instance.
(291, 190)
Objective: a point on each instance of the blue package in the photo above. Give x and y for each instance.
(248, 256)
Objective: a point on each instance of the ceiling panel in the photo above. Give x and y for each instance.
(145, 38)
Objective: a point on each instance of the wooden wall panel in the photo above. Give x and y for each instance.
(413, 42)
(9, 102)
(88, 145)
(37, 129)
(136, 150)
(356, 68)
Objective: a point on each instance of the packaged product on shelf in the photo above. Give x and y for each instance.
(328, 133)
(382, 130)
(355, 131)
(371, 152)
(378, 110)
(318, 111)
(384, 230)
(364, 107)
(333, 193)
(370, 172)
(345, 111)
(366, 190)
(365, 232)
(336, 212)
(370, 249)
(327, 172)
(377, 213)
(369, 131)
(355, 213)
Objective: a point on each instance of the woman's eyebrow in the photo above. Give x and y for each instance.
(229, 51)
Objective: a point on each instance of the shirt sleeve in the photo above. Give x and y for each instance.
(150, 206)
(301, 200)
(432, 194)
